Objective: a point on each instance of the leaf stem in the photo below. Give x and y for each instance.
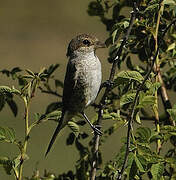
(157, 66)
(23, 151)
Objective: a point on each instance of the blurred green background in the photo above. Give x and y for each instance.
(35, 34)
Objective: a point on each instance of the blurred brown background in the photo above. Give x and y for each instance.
(35, 34)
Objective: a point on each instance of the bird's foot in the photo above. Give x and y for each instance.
(97, 130)
(107, 83)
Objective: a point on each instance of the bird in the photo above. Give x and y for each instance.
(82, 81)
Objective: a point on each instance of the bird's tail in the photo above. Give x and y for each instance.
(63, 121)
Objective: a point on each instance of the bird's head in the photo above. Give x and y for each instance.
(84, 43)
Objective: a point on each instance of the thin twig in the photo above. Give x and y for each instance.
(107, 90)
(131, 114)
(165, 99)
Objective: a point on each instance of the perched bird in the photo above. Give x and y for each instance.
(82, 80)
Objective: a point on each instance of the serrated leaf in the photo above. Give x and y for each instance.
(54, 114)
(17, 161)
(114, 35)
(169, 2)
(13, 106)
(154, 87)
(37, 116)
(74, 127)
(171, 47)
(6, 72)
(157, 171)
(15, 70)
(15, 91)
(139, 164)
(70, 139)
(151, 8)
(155, 137)
(143, 134)
(133, 170)
(129, 63)
(138, 119)
(125, 24)
(7, 134)
(128, 76)
(59, 83)
(41, 71)
(30, 72)
(146, 101)
(53, 106)
(7, 164)
(51, 69)
(172, 113)
(5, 89)
(127, 98)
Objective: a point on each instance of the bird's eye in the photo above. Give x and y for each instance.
(86, 42)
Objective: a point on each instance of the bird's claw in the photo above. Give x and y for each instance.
(97, 130)
(108, 84)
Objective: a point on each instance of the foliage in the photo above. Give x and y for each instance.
(147, 156)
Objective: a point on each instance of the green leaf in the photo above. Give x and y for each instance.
(5, 89)
(74, 127)
(127, 98)
(146, 101)
(139, 164)
(133, 170)
(17, 161)
(129, 63)
(7, 134)
(7, 164)
(138, 120)
(125, 24)
(151, 8)
(171, 47)
(55, 115)
(114, 36)
(51, 69)
(172, 113)
(53, 106)
(15, 70)
(129, 75)
(169, 2)
(30, 72)
(143, 134)
(154, 87)
(157, 171)
(70, 139)
(59, 83)
(13, 106)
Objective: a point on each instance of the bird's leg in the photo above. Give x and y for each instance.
(95, 129)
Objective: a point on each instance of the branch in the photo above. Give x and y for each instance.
(165, 99)
(107, 90)
(131, 114)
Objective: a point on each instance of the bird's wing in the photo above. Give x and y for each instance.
(69, 84)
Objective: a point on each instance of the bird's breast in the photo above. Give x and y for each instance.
(88, 78)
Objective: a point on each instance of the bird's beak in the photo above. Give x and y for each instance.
(100, 44)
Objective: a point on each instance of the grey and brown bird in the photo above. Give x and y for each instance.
(82, 80)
